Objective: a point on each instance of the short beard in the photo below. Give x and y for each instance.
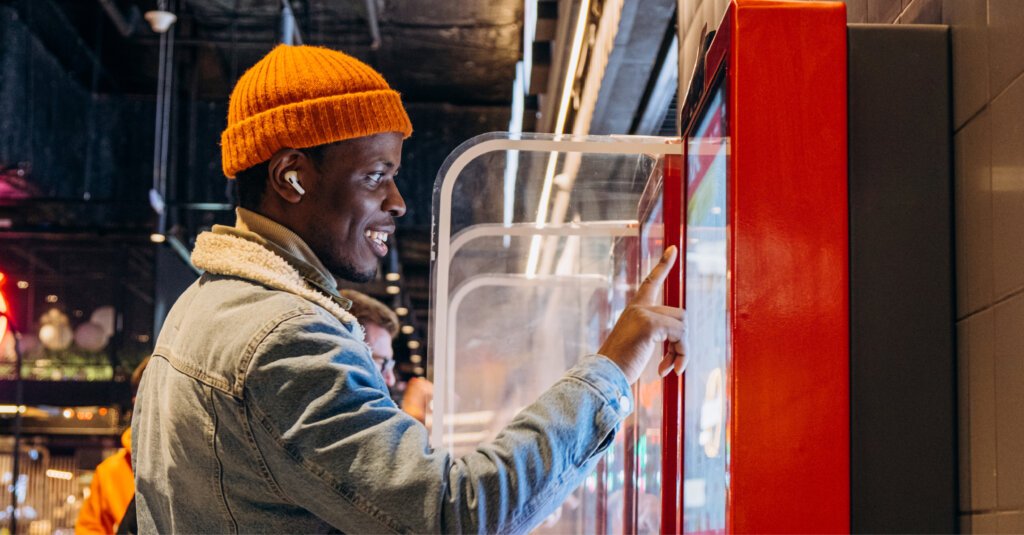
(322, 245)
(347, 272)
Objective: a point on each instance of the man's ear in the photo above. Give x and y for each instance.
(285, 166)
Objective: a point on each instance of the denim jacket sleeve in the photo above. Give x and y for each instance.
(333, 442)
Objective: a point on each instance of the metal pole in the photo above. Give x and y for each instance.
(372, 19)
(164, 98)
(168, 91)
(289, 27)
(125, 26)
(158, 136)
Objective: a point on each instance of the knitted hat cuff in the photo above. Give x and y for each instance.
(310, 123)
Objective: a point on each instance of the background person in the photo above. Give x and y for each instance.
(113, 483)
(380, 326)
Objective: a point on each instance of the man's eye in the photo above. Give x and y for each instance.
(376, 177)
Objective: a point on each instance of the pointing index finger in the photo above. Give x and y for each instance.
(649, 288)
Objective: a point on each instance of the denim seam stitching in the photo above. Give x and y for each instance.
(353, 498)
(610, 419)
(594, 387)
(190, 370)
(534, 504)
(241, 373)
(275, 487)
(219, 490)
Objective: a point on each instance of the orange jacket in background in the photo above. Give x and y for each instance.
(112, 488)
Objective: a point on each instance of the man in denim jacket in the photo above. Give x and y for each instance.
(262, 410)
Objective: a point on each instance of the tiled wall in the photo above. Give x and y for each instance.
(988, 103)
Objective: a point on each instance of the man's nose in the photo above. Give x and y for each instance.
(394, 204)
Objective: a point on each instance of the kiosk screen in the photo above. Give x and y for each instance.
(706, 448)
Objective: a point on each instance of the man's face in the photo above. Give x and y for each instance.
(379, 340)
(350, 215)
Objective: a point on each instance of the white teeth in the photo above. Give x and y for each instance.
(381, 237)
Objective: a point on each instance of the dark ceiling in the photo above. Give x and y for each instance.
(454, 51)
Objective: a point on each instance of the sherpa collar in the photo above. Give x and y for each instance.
(232, 255)
(263, 230)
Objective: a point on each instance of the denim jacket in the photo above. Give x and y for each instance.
(262, 411)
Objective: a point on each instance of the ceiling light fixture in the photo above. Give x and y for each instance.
(160, 20)
(59, 474)
(563, 114)
(529, 33)
(601, 45)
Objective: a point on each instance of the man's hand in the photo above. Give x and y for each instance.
(645, 324)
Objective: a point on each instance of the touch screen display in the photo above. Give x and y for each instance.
(706, 411)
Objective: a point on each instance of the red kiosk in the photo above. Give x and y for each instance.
(765, 420)
(821, 393)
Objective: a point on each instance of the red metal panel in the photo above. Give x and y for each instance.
(629, 467)
(3, 309)
(602, 495)
(672, 199)
(789, 268)
(720, 47)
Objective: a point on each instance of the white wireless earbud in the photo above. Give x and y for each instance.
(293, 178)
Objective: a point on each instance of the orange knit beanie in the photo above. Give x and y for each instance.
(304, 96)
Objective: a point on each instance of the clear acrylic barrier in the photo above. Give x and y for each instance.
(537, 247)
